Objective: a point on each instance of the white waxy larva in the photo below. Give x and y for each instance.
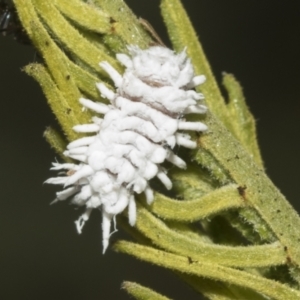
(136, 134)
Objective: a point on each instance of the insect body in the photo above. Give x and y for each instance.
(136, 135)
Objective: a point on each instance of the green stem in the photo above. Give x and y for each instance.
(243, 122)
(258, 189)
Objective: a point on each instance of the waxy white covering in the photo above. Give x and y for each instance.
(136, 135)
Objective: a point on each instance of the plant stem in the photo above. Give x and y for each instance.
(258, 188)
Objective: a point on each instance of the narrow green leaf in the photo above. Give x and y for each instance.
(122, 221)
(215, 169)
(183, 35)
(238, 256)
(140, 292)
(190, 230)
(209, 288)
(60, 107)
(216, 290)
(56, 59)
(56, 62)
(84, 14)
(192, 210)
(125, 24)
(57, 142)
(72, 39)
(115, 43)
(86, 82)
(250, 224)
(192, 183)
(270, 288)
(243, 123)
(295, 273)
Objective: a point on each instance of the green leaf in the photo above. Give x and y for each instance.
(216, 290)
(208, 161)
(270, 288)
(57, 142)
(243, 123)
(72, 39)
(197, 209)
(85, 14)
(192, 182)
(57, 65)
(238, 256)
(140, 292)
(125, 24)
(58, 103)
(183, 35)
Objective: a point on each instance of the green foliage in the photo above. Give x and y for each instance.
(224, 183)
(243, 123)
(140, 292)
(209, 270)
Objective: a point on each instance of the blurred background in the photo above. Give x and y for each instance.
(41, 255)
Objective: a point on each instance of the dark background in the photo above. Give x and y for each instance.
(41, 255)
